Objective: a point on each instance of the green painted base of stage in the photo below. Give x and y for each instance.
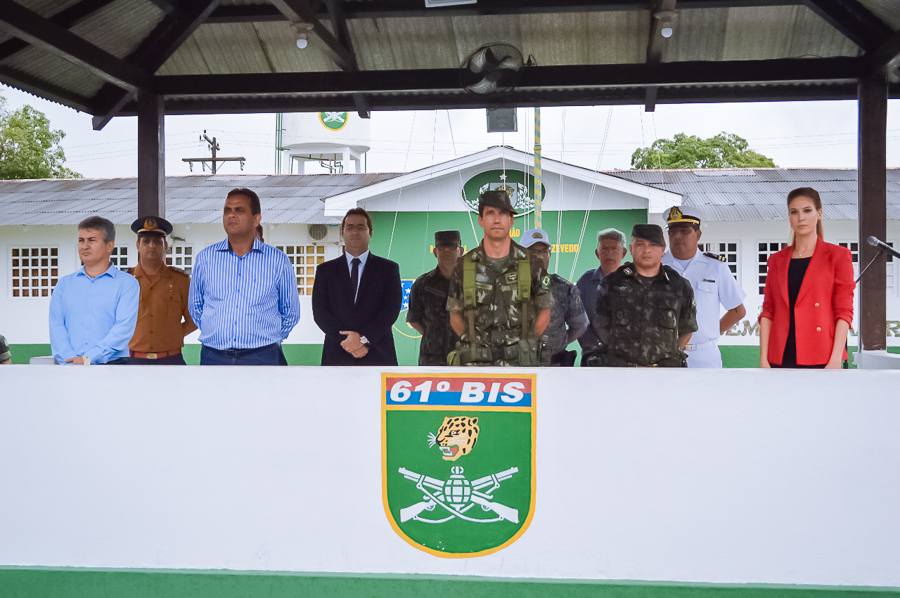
(21, 582)
(733, 356)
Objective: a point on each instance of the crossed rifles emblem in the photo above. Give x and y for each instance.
(333, 117)
(457, 496)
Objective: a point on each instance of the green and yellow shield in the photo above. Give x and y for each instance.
(457, 458)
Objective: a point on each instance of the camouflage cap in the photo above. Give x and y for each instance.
(495, 199)
(5, 354)
(649, 232)
(447, 237)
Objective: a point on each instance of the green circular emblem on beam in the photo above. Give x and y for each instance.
(334, 121)
(517, 184)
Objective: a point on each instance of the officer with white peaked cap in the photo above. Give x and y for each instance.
(713, 283)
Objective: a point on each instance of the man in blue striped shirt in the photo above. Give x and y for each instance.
(93, 312)
(243, 293)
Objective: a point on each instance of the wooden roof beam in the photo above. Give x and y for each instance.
(68, 18)
(394, 9)
(886, 59)
(853, 20)
(536, 78)
(46, 35)
(462, 100)
(662, 15)
(339, 25)
(299, 12)
(153, 52)
(35, 86)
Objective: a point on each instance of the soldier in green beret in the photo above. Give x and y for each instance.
(645, 310)
(499, 298)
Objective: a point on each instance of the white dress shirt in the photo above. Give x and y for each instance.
(362, 265)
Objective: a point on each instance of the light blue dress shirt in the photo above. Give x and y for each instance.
(93, 317)
(243, 302)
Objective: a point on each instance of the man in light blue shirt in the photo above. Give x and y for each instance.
(93, 312)
(243, 293)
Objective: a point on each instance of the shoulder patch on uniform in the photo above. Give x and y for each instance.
(715, 256)
(545, 282)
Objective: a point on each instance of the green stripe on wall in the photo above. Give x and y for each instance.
(733, 356)
(20, 582)
(295, 354)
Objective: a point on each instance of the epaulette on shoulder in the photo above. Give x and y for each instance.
(715, 256)
(179, 271)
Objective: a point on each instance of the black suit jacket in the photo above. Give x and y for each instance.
(373, 316)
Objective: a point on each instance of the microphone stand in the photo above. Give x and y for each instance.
(872, 261)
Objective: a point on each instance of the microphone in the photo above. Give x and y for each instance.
(875, 242)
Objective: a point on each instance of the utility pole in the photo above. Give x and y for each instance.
(214, 147)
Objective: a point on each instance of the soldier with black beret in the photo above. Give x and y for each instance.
(163, 317)
(428, 301)
(645, 310)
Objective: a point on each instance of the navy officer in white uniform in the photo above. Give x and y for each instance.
(713, 283)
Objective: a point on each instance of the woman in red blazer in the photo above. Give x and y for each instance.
(808, 305)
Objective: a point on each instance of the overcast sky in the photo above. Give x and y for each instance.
(793, 134)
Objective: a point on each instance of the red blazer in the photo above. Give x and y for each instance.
(826, 296)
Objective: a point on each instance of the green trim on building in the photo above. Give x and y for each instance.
(21, 582)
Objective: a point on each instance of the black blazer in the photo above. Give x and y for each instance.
(373, 316)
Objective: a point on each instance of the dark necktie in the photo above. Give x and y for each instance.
(354, 277)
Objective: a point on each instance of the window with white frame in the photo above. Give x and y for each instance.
(766, 249)
(890, 270)
(119, 257)
(34, 271)
(726, 249)
(180, 256)
(306, 258)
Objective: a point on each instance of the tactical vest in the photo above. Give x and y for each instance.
(524, 281)
(528, 351)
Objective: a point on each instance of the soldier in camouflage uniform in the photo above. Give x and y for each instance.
(645, 310)
(567, 309)
(428, 302)
(499, 300)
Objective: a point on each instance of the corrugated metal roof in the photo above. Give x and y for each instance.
(296, 199)
(735, 195)
(886, 10)
(605, 37)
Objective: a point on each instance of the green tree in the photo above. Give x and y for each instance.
(689, 151)
(29, 149)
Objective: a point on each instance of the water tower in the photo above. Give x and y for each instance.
(337, 140)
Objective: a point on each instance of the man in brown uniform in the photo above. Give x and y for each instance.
(163, 318)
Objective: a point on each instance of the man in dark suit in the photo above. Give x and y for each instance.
(356, 299)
